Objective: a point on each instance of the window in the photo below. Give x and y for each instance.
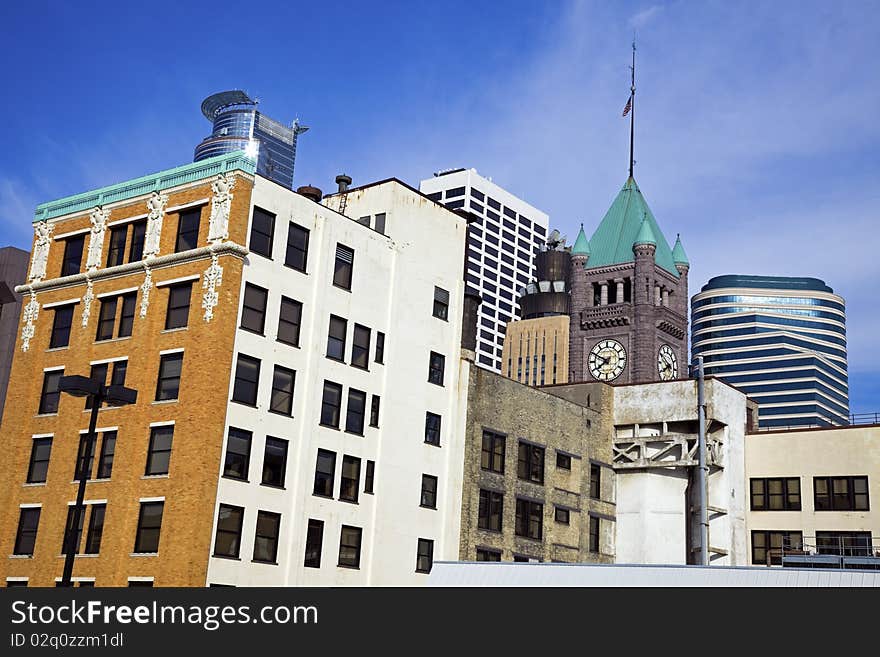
(351, 478)
(841, 493)
(83, 466)
(247, 379)
(107, 317)
(325, 472)
(108, 449)
(138, 236)
(492, 457)
(529, 519)
(595, 481)
(138, 583)
(99, 374)
(168, 383)
(314, 541)
(71, 533)
(159, 451)
(380, 223)
(262, 232)
(26, 537)
(274, 462)
(436, 366)
(10, 583)
(432, 428)
(563, 461)
(116, 251)
(238, 454)
(429, 492)
(368, 476)
(96, 529)
(457, 191)
(425, 556)
(350, 547)
(188, 230)
(561, 515)
(149, 525)
(282, 391)
(354, 414)
(50, 394)
(266, 537)
(331, 403)
(227, 541)
(253, 308)
(491, 510)
(38, 468)
(374, 411)
(594, 534)
(289, 321)
(343, 267)
(73, 251)
(177, 314)
(380, 347)
(336, 338)
(530, 463)
(488, 555)
(297, 247)
(365, 221)
(360, 347)
(845, 544)
(769, 546)
(780, 494)
(61, 324)
(441, 303)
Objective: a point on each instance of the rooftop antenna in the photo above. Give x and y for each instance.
(630, 107)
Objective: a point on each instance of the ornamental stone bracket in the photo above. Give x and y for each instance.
(98, 217)
(145, 291)
(212, 280)
(664, 451)
(87, 299)
(29, 317)
(671, 329)
(155, 214)
(43, 233)
(218, 224)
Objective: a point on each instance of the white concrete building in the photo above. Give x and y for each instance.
(500, 252)
(376, 301)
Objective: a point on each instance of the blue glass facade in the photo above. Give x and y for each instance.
(782, 341)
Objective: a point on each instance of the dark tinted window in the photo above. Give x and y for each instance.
(168, 384)
(41, 450)
(343, 267)
(360, 347)
(253, 309)
(289, 321)
(149, 526)
(50, 394)
(188, 230)
(61, 324)
(297, 252)
(314, 541)
(177, 314)
(247, 377)
(262, 232)
(351, 476)
(227, 542)
(325, 471)
(336, 338)
(281, 400)
(274, 462)
(73, 251)
(238, 454)
(331, 403)
(159, 451)
(266, 537)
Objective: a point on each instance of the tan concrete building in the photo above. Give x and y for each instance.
(536, 351)
(811, 493)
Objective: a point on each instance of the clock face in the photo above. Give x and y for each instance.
(667, 365)
(607, 360)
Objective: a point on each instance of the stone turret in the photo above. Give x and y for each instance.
(683, 265)
(581, 296)
(644, 249)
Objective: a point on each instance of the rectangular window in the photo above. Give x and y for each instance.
(73, 251)
(274, 462)
(436, 367)
(168, 383)
(50, 393)
(595, 481)
(26, 537)
(282, 391)
(149, 526)
(325, 473)
(351, 478)
(380, 223)
(368, 476)
(441, 303)
(227, 542)
(360, 347)
(492, 457)
(530, 463)
(425, 556)
(61, 324)
(177, 314)
(107, 317)
(488, 555)
(594, 534)
(262, 232)
(350, 546)
(266, 537)
(769, 546)
(779, 494)
(297, 247)
(108, 450)
(289, 321)
(380, 347)
(561, 515)
(491, 510)
(74, 534)
(253, 308)
(343, 267)
(38, 468)
(840, 493)
(336, 338)
(247, 379)
(457, 191)
(159, 451)
(331, 403)
(84, 465)
(529, 519)
(563, 461)
(96, 529)
(314, 542)
(432, 428)
(188, 230)
(374, 411)
(138, 237)
(845, 544)
(238, 454)
(116, 251)
(354, 413)
(126, 316)
(429, 492)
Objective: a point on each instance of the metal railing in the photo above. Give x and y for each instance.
(844, 551)
(853, 419)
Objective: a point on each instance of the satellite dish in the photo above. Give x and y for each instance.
(554, 236)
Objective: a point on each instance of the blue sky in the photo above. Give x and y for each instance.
(757, 135)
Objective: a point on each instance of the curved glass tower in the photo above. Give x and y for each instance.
(238, 126)
(780, 340)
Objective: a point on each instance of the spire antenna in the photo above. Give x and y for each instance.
(632, 115)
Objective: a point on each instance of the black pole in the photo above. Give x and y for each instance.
(84, 468)
(632, 111)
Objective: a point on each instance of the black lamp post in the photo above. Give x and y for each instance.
(114, 395)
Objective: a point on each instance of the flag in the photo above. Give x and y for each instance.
(629, 104)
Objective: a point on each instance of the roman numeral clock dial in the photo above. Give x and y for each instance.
(607, 360)
(667, 365)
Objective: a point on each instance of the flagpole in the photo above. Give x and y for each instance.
(632, 115)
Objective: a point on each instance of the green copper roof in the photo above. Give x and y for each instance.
(678, 254)
(613, 240)
(581, 244)
(645, 235)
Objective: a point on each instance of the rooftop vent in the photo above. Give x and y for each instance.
(343, 181)
(310, 192)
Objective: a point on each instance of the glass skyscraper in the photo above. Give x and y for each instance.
(781, 341)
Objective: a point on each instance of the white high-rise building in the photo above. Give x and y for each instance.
(500, 253)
